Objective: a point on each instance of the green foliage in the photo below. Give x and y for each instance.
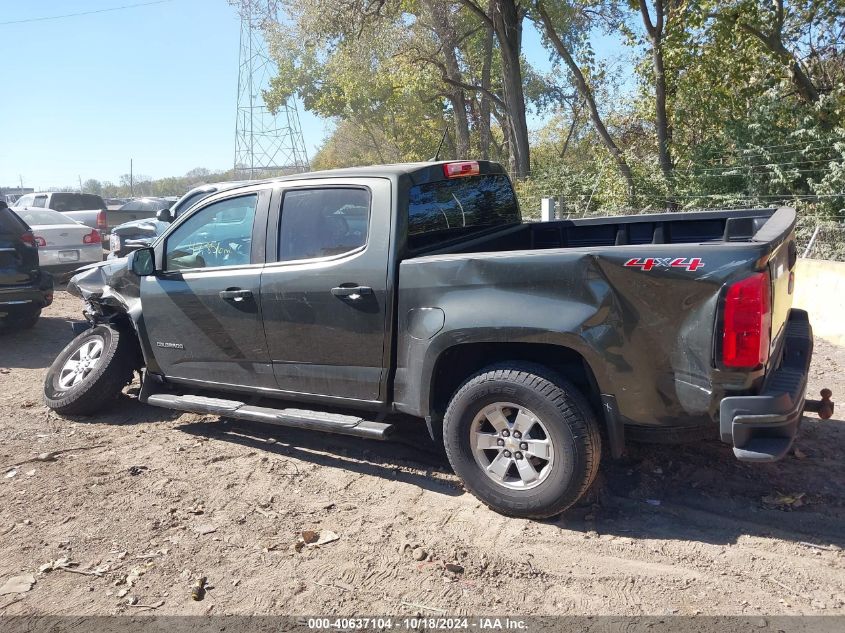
(755, 96)
(742, 133)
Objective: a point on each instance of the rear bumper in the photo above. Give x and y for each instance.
(51, 262)
(40, 295)
(762, 428)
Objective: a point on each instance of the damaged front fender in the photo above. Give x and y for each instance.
(112, 294)
(109, 286)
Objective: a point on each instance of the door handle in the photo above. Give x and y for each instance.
(235, 294)
(352, 292)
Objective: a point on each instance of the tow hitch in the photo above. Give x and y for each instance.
(823, 407)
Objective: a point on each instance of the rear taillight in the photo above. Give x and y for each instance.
(40, 241)
(92, 238)
(101, 221)
(29, 238)
(747, 323)
(461, 169)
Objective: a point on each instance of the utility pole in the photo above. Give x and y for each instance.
(131, 180)
(80, 183)
(266, 143)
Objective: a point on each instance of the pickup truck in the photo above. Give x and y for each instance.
(342, 300)
(86, 208)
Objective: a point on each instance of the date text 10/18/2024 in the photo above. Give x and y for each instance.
(416, 623)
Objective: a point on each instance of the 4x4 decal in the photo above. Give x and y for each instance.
(649, 263)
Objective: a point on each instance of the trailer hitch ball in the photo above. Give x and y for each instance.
(826, 405)
(823, 407)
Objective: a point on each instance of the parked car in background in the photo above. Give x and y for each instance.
(130, 236)
(85, 208)
(138, 209)
(24, 288)
(63, 245)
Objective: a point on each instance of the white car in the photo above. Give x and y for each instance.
(63, 245)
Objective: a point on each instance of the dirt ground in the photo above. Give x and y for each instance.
(145, 500)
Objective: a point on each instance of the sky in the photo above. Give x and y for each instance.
(155, 84)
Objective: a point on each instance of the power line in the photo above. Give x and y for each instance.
(757, 148)
(737, 196)
(73, 15)
(719, 168)
(741, 154)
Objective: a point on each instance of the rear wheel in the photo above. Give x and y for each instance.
(524, 441)
(90, 372)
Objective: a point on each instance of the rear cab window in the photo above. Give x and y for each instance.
(64, 202)
(447, 210)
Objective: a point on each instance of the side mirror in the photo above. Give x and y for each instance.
(164, 215)
(142, 262)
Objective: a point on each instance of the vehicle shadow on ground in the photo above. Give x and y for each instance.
(700, 492)
(410, 457)
(37, 347)
(696, 492)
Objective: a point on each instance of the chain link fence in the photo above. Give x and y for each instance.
(821, 239)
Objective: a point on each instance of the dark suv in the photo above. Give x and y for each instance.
(24, 288)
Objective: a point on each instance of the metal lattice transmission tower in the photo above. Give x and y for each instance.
(266, 144)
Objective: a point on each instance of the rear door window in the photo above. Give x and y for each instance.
(323, 222)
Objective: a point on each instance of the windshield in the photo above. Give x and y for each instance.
(40, 217)
(444, 210)
(76, 202)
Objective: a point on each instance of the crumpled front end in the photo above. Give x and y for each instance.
(107, 288)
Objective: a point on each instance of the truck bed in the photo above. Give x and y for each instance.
(659, 228)
(636, 298)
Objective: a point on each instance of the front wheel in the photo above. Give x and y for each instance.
(90, 372)
(524, 441)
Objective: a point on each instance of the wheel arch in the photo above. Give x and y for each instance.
(455, 364)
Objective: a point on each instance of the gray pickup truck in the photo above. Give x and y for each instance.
(86, 208)
(340, 300)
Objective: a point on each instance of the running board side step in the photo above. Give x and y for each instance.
(297, 418)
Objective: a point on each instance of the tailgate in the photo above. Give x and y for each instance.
(781, 268)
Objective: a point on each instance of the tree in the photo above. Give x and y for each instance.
(768, 24)
(505, 18)
(664, 12)
(554, 19)
(93, 186)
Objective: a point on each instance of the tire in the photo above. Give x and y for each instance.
(560, 429)
(100, 382)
